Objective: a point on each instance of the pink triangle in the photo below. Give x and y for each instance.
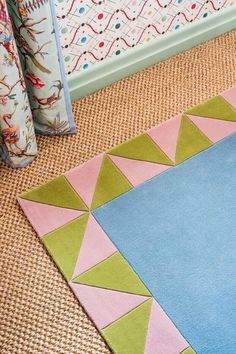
(105, 306)
(46, 218)
(137, 171)
(96, 247)
(230, 96)
(214, 129)
(166, 136)
(163, 336)
(84, 178)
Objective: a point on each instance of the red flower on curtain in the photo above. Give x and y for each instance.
(11, 135)
(34, 80)
(3, 101)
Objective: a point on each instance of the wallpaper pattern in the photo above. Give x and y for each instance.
(93, 30)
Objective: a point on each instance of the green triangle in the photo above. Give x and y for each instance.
(189, 350)
(141, 148)
(111, 183)
(190, 140)
(128, 334)
(216, 108)
(57, 192)
(64, 244)
(113, 273)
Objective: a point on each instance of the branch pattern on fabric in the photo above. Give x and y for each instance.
(29, 6)
(35, 36)
(33, 89)
(16, 124)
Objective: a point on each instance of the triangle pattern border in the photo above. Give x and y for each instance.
(188, 348)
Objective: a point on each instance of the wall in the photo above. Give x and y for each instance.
(94, 30)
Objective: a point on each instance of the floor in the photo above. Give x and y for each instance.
(39, 313)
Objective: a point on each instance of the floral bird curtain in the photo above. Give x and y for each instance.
(34, 95)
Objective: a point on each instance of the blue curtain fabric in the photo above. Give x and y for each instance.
(34, 95)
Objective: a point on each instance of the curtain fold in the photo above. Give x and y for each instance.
(34, 95)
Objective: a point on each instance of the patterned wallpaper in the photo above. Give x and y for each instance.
(94, 30)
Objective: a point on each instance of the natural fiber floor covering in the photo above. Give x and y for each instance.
(38, 312)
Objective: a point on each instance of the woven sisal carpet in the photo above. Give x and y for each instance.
(38, 312)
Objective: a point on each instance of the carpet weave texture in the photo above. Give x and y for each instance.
(39, 313)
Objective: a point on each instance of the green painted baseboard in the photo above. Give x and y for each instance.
(141, 57)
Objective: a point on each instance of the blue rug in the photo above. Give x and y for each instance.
(178, 232)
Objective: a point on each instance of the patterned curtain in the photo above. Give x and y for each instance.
(34, 95)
